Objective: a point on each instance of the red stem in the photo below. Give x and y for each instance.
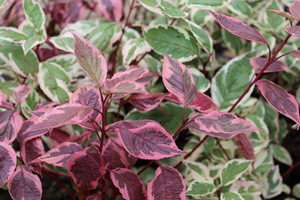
(290, 169)
(222, 148)
(54, 172)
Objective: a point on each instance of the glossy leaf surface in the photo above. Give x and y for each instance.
(8, 162)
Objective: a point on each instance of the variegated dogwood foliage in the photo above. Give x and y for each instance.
(97, 91)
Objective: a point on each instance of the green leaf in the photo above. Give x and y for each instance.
(2, 2)
(207, 3)
(170, 10)
(8, 87)
(151, 5)
(63, 43)
(209, 144)
(34, 14)
(172, 41)
(82, 27)
(201, 36)
(200, 188)
(249, 190)
(296, 190)
(272, 184)
(234, 43)
(271, 120)
(281, 154)
(199, 171)
(233, 170)
(132, 48)
(12, 34)
(273, 21)
(231, 81)
(13, 55)
(30, 102)
(231, 196)
(53, 81)
(32, 42)
(104, 35)
(170, 122)
(240, 7)
(202, 83)
(263, 161)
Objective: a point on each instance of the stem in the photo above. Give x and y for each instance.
(137, 62)
(144, 168)
(183, 117)
(222, 148)
(290, 169)
(172, 22)
(54, 172)
(119, 108)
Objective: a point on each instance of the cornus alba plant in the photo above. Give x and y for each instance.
(119, 99)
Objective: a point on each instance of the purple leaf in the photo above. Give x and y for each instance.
(24, 185)
(146, 102)
(295, 53)
(219, 124)
(8, 160)
(146, 139)
(259, 63)
(126, 82)
(113, 155)
(58, 136)
(88, 96)
(168, 184)
(96, 196)
(294, 9)
(245, 146)
(4, 103)
(73, 12)
(90, 60)
(46, 105)
(279, 99)
(31, 150)
(178, 81)
(238, 28)
(21, 93)
(111, 9)
(283, 14)
(293, 30)
(128, 183)
(60, 155)
(86, 167)
(10, 124)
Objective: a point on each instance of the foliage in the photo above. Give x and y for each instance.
(148, 99)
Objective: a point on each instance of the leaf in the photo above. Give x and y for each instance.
(111, 9)
(146, 102)
(178, 80)
(272, 21)
(2, 2)
(296, 190)
(86, 167)
(241, 7)
(272, 184)
(238, 28)
(146, 139)
(168, 184)
(233, 170)
(171, 11)
(294, 9)
(231, 81)
(219, 124)
(128, 183)
(32, 42)
(13, 55)
(10, 124)
(88, 96)
(24, 185)
(295, 53)
(207, 3)
(259, 63)
(95, 196)
(283, 14)
(171, 123)
(90, 60)
(104, 35)
(34, 14)
(60, 155)
(53, 81)
(279, 99)
(12, 34)
(281, 154)
(249, 190)
(171, 41)
(200, 188)
(293, 30)
(231, 196)
(8, 162)
(245, 146)
(202, 83)
(63, 43)
(21, 93)
(199, 171)
(271, 120)
(114, 155)
(133, 48)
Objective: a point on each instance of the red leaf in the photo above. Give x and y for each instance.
(219, 124)
(295, 53)
(45, 105)
(4, 103)
(21, 93)
(259, 63)
(294, 9)
(113, 155)
(24, 185)
(8, 162)
(111, 9)
(96, 196)
(238, 28)
(73, 13)
(178, 81)
(279, 99)
(86, 167)
(146, 102)
(90, 60)
(146, 139)
(60, 155)
(58, 136)
(126, 82)
(10, 124)
(245, 146)
(128, 183)
(168, 184)
(88, 96)
(293, 30)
